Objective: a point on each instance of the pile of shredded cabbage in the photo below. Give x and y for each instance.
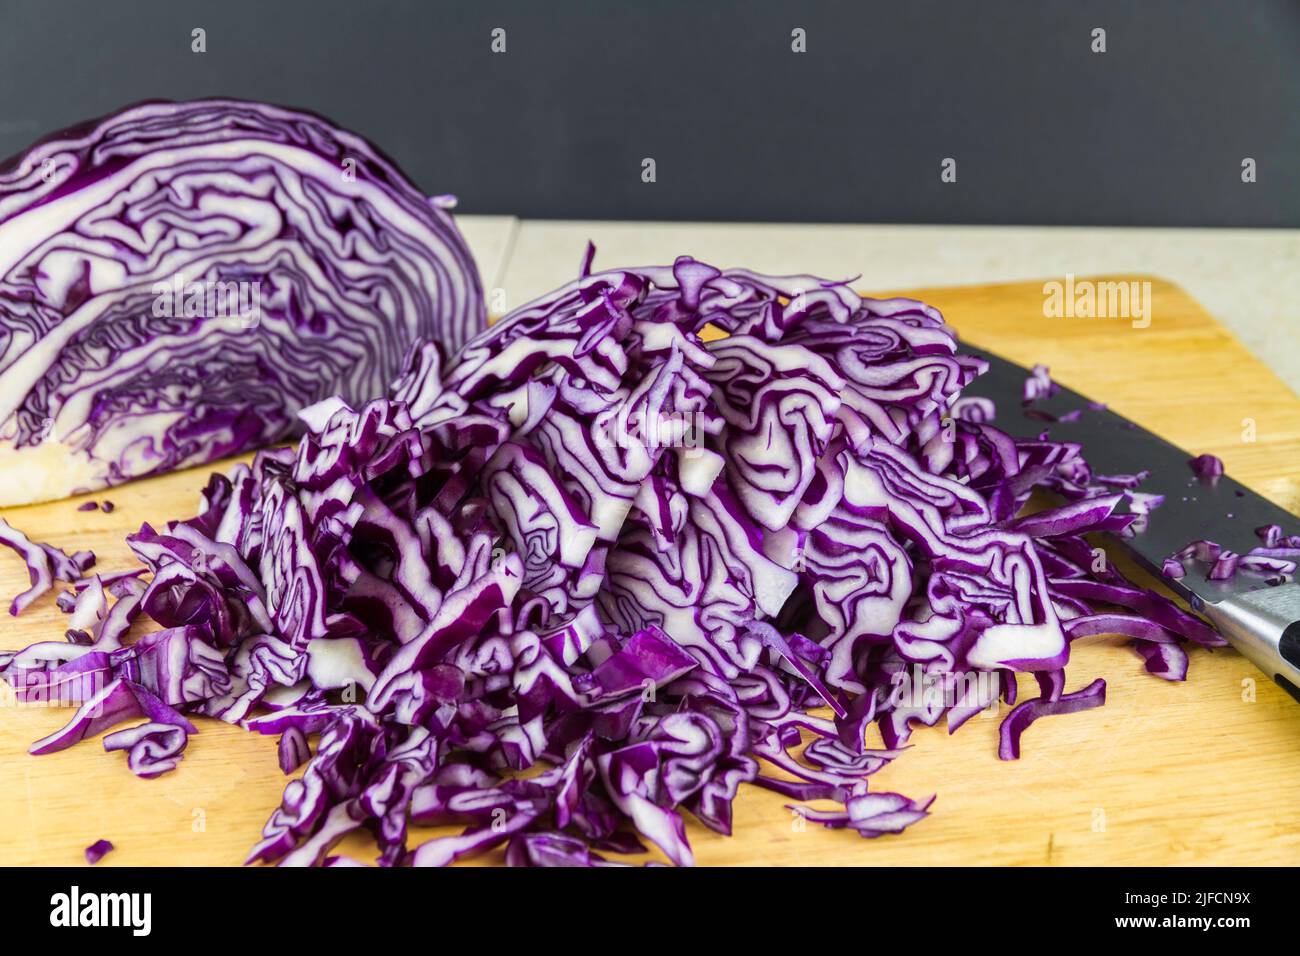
(660, 533)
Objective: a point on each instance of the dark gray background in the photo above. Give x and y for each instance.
(1043, 130)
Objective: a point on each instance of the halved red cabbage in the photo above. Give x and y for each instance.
(177, 280)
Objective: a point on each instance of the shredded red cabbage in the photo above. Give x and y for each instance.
(1094, 695)
(1039, 385)
(294, 749)
(659, 533)
(1274, 563)
(45, 565)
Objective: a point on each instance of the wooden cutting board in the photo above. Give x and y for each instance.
(1205, 772)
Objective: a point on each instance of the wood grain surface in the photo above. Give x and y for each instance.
(1204, 772)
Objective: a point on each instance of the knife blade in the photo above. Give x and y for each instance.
(1262, 621)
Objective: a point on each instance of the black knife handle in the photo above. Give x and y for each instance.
(1289, 645)
(1289, 648)
(1265, 626)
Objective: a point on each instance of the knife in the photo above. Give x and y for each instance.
(1261, 621)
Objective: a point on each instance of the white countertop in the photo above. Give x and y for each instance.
(490, 239)
(1249, 279)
